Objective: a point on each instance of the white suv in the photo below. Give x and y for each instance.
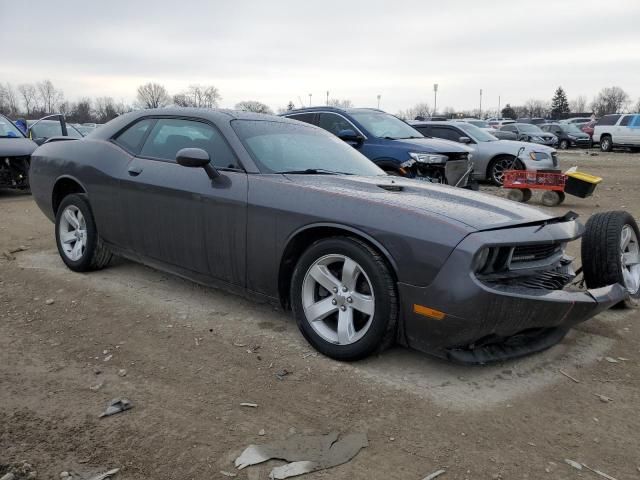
(617, 131)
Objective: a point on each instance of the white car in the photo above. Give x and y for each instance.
(491, 157)
(617, 130)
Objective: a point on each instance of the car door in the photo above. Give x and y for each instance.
(634, 131)
(178, 215)
(622, 132)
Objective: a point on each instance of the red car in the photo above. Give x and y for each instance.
(588, 128)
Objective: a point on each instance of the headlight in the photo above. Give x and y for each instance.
(480, 260)
(537, 156)
(536, 139)
(572, 137)
(428, 157)
(407, 164)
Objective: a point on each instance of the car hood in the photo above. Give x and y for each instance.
(16, 147)
(431, 145)
(473, 210)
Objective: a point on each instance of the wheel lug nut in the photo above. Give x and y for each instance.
(335, 289)
(334, 302)
(349, 299)
(343, 308)
(344, 289)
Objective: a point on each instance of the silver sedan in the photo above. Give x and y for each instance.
(491, 157)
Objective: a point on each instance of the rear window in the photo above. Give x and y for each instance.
(608, 120)
(303, 117)
(625, 120)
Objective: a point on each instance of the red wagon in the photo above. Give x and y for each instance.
(521, 183)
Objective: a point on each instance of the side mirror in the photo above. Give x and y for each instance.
(464, 140)
(350, 136)
(197, 158)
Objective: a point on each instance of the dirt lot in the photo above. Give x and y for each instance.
(192, 355)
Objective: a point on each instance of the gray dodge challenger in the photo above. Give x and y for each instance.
(281, 210)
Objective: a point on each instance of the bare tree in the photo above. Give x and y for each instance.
(122, 107)
(50, 97)
(152, 95)
(578, 104)
(610, 100)
(105, 109)
(9, 103)
(29, 97)
(253, 106)
(336, 102)
(419, 110)
(537, 108)
(201, 96)
(637, 107)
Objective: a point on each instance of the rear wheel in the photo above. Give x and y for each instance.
(606, 144)
(564, 144)
(611, 253)
(344, 298)
(79, 245)
(519, 194)
(552, 198)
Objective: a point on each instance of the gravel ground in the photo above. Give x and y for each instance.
(187, 356)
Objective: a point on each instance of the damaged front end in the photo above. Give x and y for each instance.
(453, 169)
(14, 172)
(505, 293)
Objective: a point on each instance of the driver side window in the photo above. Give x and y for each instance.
(334, 123)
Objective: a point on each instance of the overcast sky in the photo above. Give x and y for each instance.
(275, 51)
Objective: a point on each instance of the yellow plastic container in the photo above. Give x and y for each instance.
(581, 184)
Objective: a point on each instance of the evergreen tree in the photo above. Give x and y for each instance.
(560, 104)
(509, 112)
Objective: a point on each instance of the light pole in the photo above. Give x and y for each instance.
(327, 98)
(435, 98)
(499, 112)
(480, 104)
(379, 101)
(310, 98)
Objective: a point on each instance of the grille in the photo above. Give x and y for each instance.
(532, 253)
(549, 280)
(457, 155)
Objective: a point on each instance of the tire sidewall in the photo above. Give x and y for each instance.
(564, 145)
(81, 203)
(385, 309)
(606, 144)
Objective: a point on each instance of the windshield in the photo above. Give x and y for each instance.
(571, 128)
(478, 123)
(383, 125)
(51, 128)
(478, 134)
(8, 129)
(285, 147)
(526, 127)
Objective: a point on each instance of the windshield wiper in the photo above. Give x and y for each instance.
(313, 171)
(407, 138)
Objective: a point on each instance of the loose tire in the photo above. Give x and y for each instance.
(79, 244)
(564, 145)
(606, 144)
(344, 298)
(552, 198)
(610, 253)
(522, 195)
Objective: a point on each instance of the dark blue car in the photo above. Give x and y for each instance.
(392, 144)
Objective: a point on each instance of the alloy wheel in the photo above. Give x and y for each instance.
(338, 299)
(501, 166)
(630, 259)
(73, 233)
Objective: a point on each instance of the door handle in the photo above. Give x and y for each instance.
(134, 171)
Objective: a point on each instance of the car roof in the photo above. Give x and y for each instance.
(332, 109)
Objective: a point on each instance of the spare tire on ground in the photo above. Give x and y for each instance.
(611, 253)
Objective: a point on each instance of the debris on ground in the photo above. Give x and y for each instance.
(8, 476)
(569, 376)
(309, 354)
(65, 474)
(248, 404)
(262, 433)
(306, 453)
(280, 374)
(434, 475)
(21, 248)
(105, 475)
(117, 405)
(96, 387)
(9, 257)
(603, 398)
(598, 472)
(573, 463)
(49, 301)
(122, 372)
(19, 471)
(108, 357)
(611, 360)
(228, 474)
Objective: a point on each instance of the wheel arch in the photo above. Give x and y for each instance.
(302, 238)
(387, 163)
(65, 185)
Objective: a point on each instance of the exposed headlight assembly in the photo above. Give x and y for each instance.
(536, 139)
(428, 157)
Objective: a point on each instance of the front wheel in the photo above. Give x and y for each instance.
(611, 253)
(499, 165)
(564, 144)
(344, 298)
(79, 245)
(606, 144)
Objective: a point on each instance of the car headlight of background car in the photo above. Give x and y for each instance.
(537, 156)
(428, 157)
(536, 139)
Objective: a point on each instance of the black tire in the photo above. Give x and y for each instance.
(96, 255)
(526, 195)
(494, 176)
(606, 143)
(601, 252)
(382, 331)
(516, 195)
(564, 145)
(551, 198)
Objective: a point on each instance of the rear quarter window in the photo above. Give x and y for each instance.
(131, 139)
(608, 120)
(303, 117)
